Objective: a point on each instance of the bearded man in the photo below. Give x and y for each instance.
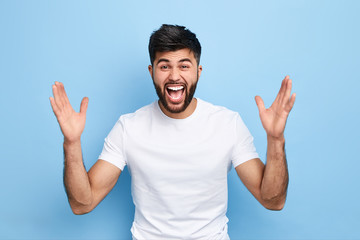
(178, 149)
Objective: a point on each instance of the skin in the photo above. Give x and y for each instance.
(85, 190)
(179, 68)
(268, 183)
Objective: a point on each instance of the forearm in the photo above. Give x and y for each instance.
(76, 179)
(275, 178)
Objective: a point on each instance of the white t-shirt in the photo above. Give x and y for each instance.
(179, 168)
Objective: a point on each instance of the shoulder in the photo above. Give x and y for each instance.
(217, 111)
(139, 116)
(130, 122)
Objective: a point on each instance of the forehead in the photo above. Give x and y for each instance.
(174, 56)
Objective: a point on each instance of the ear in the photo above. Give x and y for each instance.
(150, 68)
(199, 71)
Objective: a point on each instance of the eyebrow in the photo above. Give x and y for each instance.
(162, 60)
(167, 60)
(186, 60)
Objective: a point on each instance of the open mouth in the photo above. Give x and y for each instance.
(175, 93)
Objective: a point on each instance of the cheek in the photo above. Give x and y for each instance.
(159, 77)
(191, 76)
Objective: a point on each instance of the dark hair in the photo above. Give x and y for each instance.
(171, 38)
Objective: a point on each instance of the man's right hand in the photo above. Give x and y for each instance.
(72, 123)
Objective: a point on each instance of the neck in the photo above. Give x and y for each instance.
(182, 115)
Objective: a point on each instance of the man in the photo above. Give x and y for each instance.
(178, 150)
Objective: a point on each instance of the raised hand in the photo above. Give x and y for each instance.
(274, 118)
(72, 123)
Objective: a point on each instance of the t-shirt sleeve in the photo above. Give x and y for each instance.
(113, 150)
(244, 148)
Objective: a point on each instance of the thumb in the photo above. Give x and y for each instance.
(260, 103)
(84, 105)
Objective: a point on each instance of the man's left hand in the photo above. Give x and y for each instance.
(274, 118)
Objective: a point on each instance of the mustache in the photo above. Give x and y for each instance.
(171, 82)
(176, 82)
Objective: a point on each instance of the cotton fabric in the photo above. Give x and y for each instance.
(179, 168)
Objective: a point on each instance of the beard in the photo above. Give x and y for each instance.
(189, 92)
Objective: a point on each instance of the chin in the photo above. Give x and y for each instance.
(175, 107)
(178, 108)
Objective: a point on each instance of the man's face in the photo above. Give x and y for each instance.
(175, 75)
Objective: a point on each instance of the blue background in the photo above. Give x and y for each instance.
(99, 49)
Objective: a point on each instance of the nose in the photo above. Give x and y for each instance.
(174, 74)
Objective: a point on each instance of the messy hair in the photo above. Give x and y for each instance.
(171, 38)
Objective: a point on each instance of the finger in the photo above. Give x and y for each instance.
(54, 106)
(260, 103)
(286, 96)
(291, 102)
(65, 97)
(61, 90)
(281, 90)
(57, 96)
(283, 87)
(84, 105)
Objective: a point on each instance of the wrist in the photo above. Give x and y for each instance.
(279, 139)
(72, 151)
(72, 142)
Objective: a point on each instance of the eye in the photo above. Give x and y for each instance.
(164, 67)
(184, 66)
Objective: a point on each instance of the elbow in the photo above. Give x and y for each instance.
(79, 211)
(274, 206)
(81, 208)
(275, 203)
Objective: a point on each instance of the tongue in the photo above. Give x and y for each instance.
(175, 94)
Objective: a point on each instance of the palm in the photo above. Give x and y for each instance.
(71, 123)
(274, 118)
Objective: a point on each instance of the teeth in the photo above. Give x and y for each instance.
(176, 88)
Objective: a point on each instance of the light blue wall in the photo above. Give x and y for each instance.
(99, 49)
